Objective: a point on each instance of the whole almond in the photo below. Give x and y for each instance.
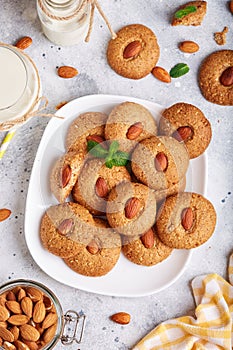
(121, 318)
(29, 333)
(5, 334)
(8, 346)
(183, 133)
(187, 218)
(96, 138)
(3, 324)
(161, 162)
(67, 72)
(148, 239)
(1, 341)
(20, 345)
(49, 320)
(10, 296)
(188, 46)
(226, 78)
(24, 43)
(39, 312)
(49, 333)
(65, 226)
(18, 320)
(132, 207)
(14, 306)
(4, 214)
(132, 49)
(161, 74)
(134, 131)
(2, 302)
(231, 6)
(21, 294)
(27, 306)
(93, 247)
(4, 313)
(66, 175)
(31, 344)
(15, 331)
(47, 303)
(34, 293)
(101, 187)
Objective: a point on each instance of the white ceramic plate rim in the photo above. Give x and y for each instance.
(53, 265)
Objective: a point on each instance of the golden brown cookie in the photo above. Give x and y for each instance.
(134, 52)
(60, 223)
(87, 124)
(186, 221)
(186, 123)
(146, 250)
(160, 162)
(100, 255)
(216, 77)
(131, 208)
(129, 123)
(173, 189)
(95, 182)
(64, 174)
(193, 18)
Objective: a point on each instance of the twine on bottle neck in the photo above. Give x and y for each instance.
(94, 4)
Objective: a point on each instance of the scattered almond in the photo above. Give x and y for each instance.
(183, 133)
(24, 43)
(161, 162)
(67, 72)
(39, 312)
(187, 218)
(4, 313)
(93, 247)
(101, 187)
(4, 214)
(29, 333)
(132, 207)
(231, 6)
(161, 74)
(50, 333)
(188, 46)
(226, 78)
(18, 320)
(61, 104)
(14, 306)
(5, 334)
(65, 226)
(27, 306)
(66, 175)
(121, 318)
(148, 239)
(132, 50)
(134, 131)
(49, 320)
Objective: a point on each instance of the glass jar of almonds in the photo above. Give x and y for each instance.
(31, 318)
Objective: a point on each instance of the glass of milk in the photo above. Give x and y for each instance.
(62, 22)
(19, 83)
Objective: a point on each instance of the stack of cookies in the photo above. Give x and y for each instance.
(120, 187)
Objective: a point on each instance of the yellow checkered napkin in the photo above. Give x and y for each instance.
(212, 327)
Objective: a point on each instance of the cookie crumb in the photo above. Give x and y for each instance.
(220, 37)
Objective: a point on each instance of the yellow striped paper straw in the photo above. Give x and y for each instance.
(6, 141)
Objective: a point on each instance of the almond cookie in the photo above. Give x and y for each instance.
(131, 208)
(186, 221)
(129, 123)
(95, 182)
(192, 15)
(216, 77)
(160, 162)
(60, 223)
(86, 125)
(134, 52)
(186, 123)
(65, 173)
(173, 189)
(101, 253)
(146, 250)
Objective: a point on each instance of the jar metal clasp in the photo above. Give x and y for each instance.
(73, 327)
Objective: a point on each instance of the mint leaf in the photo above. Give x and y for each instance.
(186, 11)
(121, 158)
(96, 149)
(178, 70)
(109, 163)
(113, 148)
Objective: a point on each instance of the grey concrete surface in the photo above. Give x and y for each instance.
(19, 18)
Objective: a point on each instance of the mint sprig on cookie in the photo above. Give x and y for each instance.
(113, 156)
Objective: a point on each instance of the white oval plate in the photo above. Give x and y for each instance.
(126, 279)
